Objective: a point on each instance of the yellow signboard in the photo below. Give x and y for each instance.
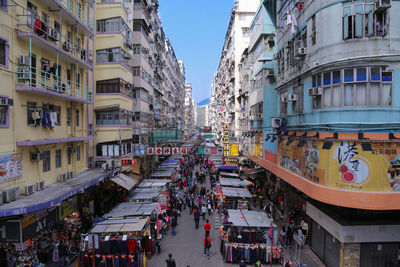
(234, 150)
(345, 165)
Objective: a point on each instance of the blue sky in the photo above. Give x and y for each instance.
(196, 29)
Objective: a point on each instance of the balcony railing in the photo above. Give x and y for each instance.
(76, 9)
(28, 77)
(53, 38)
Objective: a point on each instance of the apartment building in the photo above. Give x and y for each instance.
(46, 111)
(114, 98)
(226, 81)
(84, 83)
(189, 112)
(331, 126)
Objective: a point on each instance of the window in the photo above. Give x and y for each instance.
(136, 116)
(110, 55)
(313, 31)
(109, 86)
(361, 86)
(69, 156)
(363, 20)
(68, 116)
(3, 52)
(58, 158)
(283, 101)
(297, 106)
(114, 117)
(242, 17)
(113, 25)
(32, 114)
(78, 153)
(136, 49)
(77, 118)
(3, 5)
(3, 116)
(136, 71)
(46, 161)
(245, 32)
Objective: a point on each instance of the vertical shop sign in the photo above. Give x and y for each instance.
(226, 140)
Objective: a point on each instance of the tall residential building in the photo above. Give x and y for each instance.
(114, 105)
(226, 81)
(331, 126)
(46, 112)
(189, 111)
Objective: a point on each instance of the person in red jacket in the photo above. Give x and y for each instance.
(207, 227)
(207, 245)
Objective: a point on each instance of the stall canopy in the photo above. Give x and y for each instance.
(229, 174)
(128, 209)
(253, 171)
(126, 182)
(120, 226)
(226, 168)
(236, 192)
(153, 183)
(230, 182)
(170, 161)
(249, 218)
(163, 173)
(141, 194)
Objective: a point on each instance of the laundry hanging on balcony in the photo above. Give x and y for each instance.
(291, 20)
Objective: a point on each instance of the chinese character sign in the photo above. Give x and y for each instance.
(345, 165)
(150, 151)
(158, 150)
(10, 166)
(175, 151)
(166, 150)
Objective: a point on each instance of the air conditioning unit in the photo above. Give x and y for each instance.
(269, 72)
(301, 51)
(24, 73)
(311, 92)
(292, 97)
(276, 123)
(54, 34)
(35, 156)
(67, 46)
(11, 194)
(3, 101)
(127, 56)
(63, 87)
(23, 60)
(252, 117)
(40, 185)
(260, 116)
(63, 177)
(277, 56)
(270, 38)
(70, 175)
(29, 189)
(318, 91)
(381, 5)
(283, 99)
(104, 167)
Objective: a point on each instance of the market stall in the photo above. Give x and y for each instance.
(167, 173)
(145, 195)
(154, 183)
(248, 234)
(229, 182)
(229, 174)
(236, 198)
(121, 242)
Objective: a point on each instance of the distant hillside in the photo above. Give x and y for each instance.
(204, 102)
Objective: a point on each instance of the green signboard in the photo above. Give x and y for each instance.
(200, 150)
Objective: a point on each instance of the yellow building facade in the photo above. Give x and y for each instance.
(46, 98)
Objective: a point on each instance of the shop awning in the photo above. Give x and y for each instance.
(147, 193)
(163, 173)
(153, 183)
(120, 226)
(53, 194)
(128, 209)
(229, 174)
(249, 218)
(230, 182)
(170, 161)
(253, 171)
(125, 181)
(226, 167)
(236, 192)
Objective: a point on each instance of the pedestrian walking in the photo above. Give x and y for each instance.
(242, 263)
(196, 214)
(203, 212)
(283, 235)
(207, 228)
(174, 223)
(209, 208)
(207, 245)
(170, 261)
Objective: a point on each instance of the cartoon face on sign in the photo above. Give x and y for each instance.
(354, 169)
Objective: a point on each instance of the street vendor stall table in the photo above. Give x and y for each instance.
(145, 195)
(229, 174)
(229, 182)
(234, 197)
(154, 183)
(247, 235)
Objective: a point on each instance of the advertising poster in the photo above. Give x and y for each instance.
(10, 166)
(345, 165)
(234, 150)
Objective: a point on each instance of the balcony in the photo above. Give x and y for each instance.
(27, 79)
(72, 13)
(50, 39)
